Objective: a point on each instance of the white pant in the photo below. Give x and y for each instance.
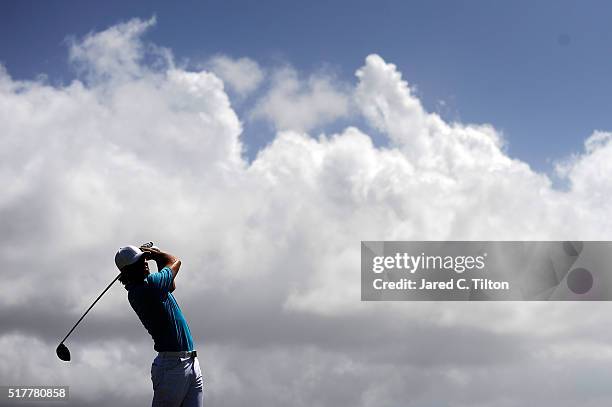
(177, 382)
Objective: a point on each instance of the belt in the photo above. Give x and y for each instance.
(184, 354)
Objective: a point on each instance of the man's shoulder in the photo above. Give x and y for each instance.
(159, 278)
(165, 270)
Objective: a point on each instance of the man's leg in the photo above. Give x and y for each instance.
(170, 377)
(195, 394)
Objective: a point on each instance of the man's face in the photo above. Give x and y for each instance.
(141, 266)
(135, 272)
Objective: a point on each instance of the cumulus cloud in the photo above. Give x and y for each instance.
(242, 75)
(294, 104)
(115, 53)
(138, 149)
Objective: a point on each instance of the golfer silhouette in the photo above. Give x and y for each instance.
(175, 371)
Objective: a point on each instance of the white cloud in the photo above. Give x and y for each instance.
(388, 103)
(270, 280)
(243, 75)
(115, 52)
(588, 173)
(294, 104)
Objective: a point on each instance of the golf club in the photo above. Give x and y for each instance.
(62, 350)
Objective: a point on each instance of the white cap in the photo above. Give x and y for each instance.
(127, 255)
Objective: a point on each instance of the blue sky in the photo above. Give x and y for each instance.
(538, 71)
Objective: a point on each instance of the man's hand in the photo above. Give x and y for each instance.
(149, 252)
(162, 259)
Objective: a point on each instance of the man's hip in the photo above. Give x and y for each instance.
(177, 380)
(182, 354)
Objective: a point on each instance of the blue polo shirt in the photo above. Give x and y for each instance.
(159, 312)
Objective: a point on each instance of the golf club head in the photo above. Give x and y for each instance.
(62, 352)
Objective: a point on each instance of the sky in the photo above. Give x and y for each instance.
(537, 71)
(261, 144)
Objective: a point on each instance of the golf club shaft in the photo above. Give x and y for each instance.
(91, 306)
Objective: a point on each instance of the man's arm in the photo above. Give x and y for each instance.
(163, 259)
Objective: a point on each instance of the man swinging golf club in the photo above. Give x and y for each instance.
(175, 372)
